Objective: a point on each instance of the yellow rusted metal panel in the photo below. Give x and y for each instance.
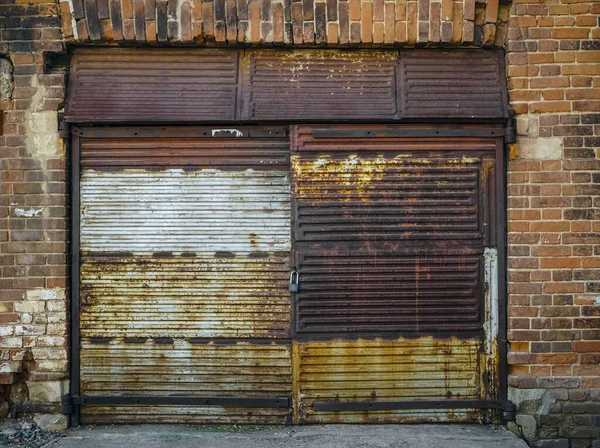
(184, 292)
(378, 370)
(182, 368)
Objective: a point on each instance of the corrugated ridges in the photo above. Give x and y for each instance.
(152, 85)
(448, 84)
(393, 291)
(198, 296)
(389, 196)
(221, 153)
(320, 85)
(378, 370)
(243, 370)
(178, 211)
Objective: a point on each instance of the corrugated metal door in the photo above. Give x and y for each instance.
(185, 240)
(394, 242)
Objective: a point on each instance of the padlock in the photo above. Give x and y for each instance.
(294, 281)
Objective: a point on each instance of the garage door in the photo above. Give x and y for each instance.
(185, 242)
(188, 235)
(395, 244)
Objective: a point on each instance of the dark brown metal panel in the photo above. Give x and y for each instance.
(464, 84)
(390, 232)
(320, 85)
(361, 289)
(218, 153)
(158, 85)
(210, 85)
(375, 189)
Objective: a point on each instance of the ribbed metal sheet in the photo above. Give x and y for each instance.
(183, 275)
(102, 415)
(390, 232)
(387, 371)
(398, 195)
(222, 213)
(182, 367)
(228, 85)
(453, 84)
(260, 154)
(320, 84)
(388, 290)
(141, 85)
(186, 296)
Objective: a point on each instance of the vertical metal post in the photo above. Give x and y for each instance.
(502, 263)
(75, 303)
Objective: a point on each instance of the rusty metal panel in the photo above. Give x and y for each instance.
(390, 232)
(350, 196)
(158, 247)
(379, 370)
(159, 85)
(453, 84)
(184, 271)
(184, 367)
(392, 229)
(150, 149)
(319, 85)
(120, 85)
(387, 290)
(199, 295)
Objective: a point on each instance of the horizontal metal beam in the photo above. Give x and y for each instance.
(222, 131)
(408, 133)
(412, 404)
(277, 402)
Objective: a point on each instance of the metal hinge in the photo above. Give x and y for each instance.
(63, 127)
(510, 411)
(66, 405)
(510, 131)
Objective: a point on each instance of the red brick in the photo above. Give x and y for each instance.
(586, 346)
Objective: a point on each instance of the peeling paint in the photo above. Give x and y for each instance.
(227, 132)
(28, 212)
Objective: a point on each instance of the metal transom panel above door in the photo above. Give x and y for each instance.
(185, 240)
(187, 237)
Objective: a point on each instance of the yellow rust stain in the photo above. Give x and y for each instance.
(213, 295)
(357, 174)
(384, 370)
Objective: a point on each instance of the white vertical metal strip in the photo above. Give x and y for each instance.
(491, 301)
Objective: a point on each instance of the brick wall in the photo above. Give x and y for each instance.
(296, 23)
(33, 212)
(553, 50)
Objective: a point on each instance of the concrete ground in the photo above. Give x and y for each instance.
(324, 436)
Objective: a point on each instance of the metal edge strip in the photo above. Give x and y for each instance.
(75, 341)
(413, 404)
(215, 131)
(277, 402)
(408, 133)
